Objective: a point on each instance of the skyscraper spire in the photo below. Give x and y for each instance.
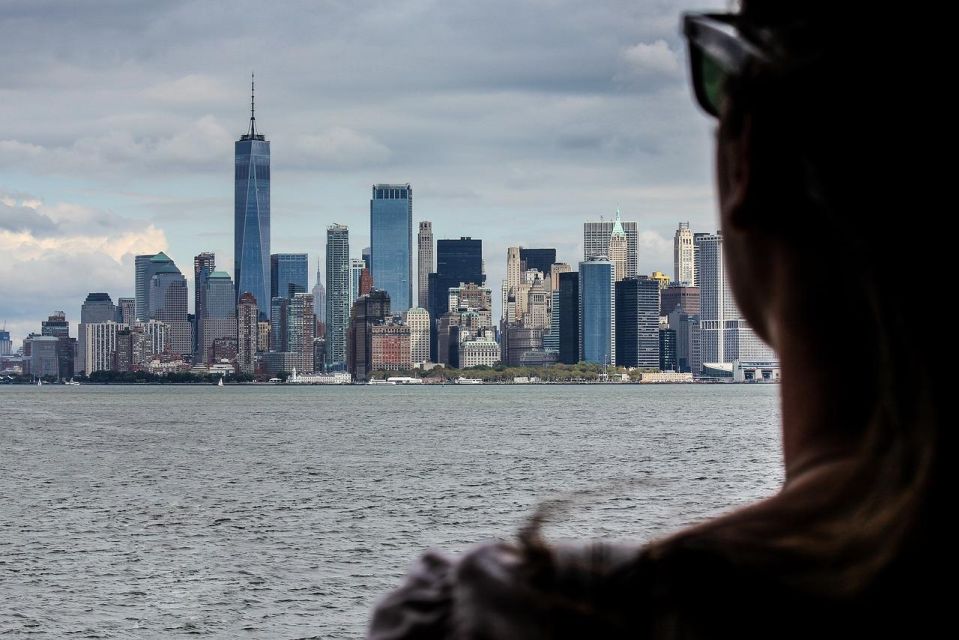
(252, 107)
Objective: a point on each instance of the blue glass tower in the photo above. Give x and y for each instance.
(457, 262)
(597, 311)
(391, 245)
(289, 273)
(251, 217)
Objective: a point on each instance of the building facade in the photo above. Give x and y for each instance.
(596, 237)
(480, 352)
(98, 307)
(391, 243)
(338, 294)
(637, 323)
(301, 331)
(418, 321)
(597, 311)
(203, 265)
(724, 334)
(148, 266)
(424, 259)
(247, 313)
(683, 297)
(251, 216)
(684, 266)
(568, 315)
(457, 262)
(390, 350)
(289, 274)
(219, 313)
(168, 304)
(368, 310)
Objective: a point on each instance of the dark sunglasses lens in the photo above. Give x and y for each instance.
(712, 83)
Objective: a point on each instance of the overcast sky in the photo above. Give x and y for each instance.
(515, 121)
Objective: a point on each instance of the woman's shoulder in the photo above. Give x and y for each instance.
(557, 591)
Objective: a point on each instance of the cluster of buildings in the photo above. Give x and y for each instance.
(363, 316)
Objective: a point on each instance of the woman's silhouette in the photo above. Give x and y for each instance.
(834, 258)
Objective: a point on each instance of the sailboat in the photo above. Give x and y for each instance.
(220, 383)
(39, 382)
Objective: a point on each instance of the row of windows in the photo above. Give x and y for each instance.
(242, 171)
(392, 194)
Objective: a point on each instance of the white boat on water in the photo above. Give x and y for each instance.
(72, 383)
(379, 381)
(462, 380)
(220, 383)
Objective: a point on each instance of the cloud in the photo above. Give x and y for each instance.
(656, 58)
(336, 148)
(55, 254)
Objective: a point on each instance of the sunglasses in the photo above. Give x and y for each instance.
(717, 52)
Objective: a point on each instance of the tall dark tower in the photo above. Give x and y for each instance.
(251, 217)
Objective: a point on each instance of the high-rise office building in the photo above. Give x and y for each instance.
(357, 265)
(337, 294)
(425, 266)
(148, 266)
(618, 249)
(667, 350)
(247, 313)
(366, 281)
(418, 320)
(168, 303)
(390, 346)
(686, 298)
(96, 344)
(637, 322)
(686, 326)
(596, 237)
(568, 317)
(391, 243)
(301, 331)
(365, 256)
(98, 307)
(684, 266)
(597, 311)
(319, 306)
(541, 260)
(203, 265)
(219, 313)
(43, 357)
(367, 311)
(6, 345)
(457, 262)
(280, 324)
(126, 310)
(251, 215)
(55, 325)
(289, 273)
(724, 334)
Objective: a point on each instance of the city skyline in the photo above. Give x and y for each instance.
(141, 172)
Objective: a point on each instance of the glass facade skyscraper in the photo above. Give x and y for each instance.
(597, 311)
(391, 243)
(288, 274)
(219, 312)
(540, 259)
(457, 262)
(251, 217)
(568, 317)
(637, 322)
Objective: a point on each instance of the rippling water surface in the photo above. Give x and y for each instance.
(284, 512)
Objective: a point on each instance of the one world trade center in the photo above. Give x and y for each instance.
(251, 217)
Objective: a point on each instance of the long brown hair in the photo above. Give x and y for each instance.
(846, 196)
